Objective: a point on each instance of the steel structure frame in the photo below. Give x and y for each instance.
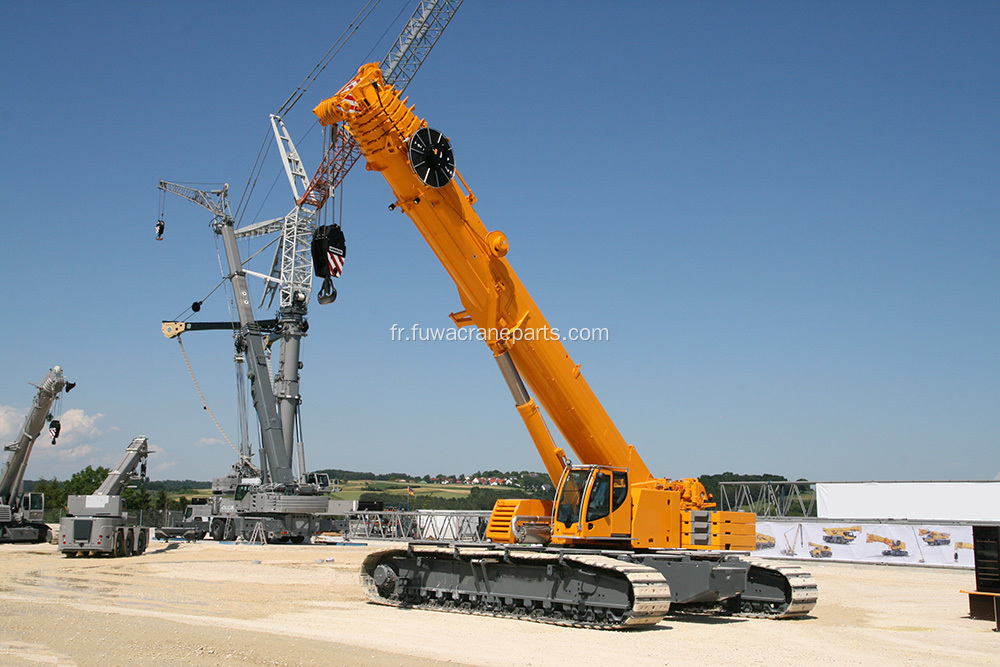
(416, 40)
(767, 499)
(437, 526)
(398, 67)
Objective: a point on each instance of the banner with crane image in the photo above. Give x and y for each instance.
(884, 543)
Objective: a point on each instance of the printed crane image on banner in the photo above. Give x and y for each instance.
(948, 545)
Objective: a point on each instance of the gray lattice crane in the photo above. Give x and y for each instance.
(275, 428)
(297, 258)
(399, 66)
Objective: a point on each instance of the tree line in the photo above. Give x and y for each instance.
(173, 494)
(145, 496)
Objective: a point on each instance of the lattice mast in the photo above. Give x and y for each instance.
(399, 66)
(278, 468)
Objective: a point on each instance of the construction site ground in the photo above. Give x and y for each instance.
(206, 603)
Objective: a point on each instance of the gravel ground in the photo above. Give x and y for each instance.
(230, 604)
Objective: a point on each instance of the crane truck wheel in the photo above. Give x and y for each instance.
(140, 547)
(118, 550)
(130, 543)
(217, 530)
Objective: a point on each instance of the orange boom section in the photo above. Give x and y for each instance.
(417, 163)
(493, 297)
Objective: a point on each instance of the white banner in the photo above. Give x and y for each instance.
(945, 545)
(914, 501)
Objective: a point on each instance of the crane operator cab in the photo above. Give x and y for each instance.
(592, 504)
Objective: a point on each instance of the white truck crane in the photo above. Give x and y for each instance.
(21, 513)
(98, 524)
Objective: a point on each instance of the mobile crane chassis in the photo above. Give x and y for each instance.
(98, 524)
(617, 548)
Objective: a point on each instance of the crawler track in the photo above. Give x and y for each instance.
(604, 590)
(800, 592)
(585, 590)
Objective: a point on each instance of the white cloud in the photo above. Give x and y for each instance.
(76, 426)
(997, 478)
(209, 442)
(166, 465)
(11, 421)
(72, 453)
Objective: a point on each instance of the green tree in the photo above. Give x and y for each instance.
(178, 504)
(711, 482)
(162, 500)
(137, 499)
(55, 496)
(86, 481)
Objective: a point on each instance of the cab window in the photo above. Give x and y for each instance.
(599, 504)
(619, 489)
(571, 497)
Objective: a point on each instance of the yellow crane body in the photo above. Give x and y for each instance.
(841, 535)
(895, 547)
(934, 538)
(496, 302)
(608, 499)
(820, 551)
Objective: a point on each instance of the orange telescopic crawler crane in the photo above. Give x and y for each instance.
(617, 547)
(934, 538)
(896, 547)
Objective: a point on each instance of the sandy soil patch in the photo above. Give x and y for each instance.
(224, 604)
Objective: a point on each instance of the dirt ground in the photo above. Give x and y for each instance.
(231, 604)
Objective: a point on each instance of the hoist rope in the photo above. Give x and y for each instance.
(297, 94)
(204, 402)
(328, 56)
(203, 299)
(258, 166)
(241, 404)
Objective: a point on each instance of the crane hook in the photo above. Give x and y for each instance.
(159, 223)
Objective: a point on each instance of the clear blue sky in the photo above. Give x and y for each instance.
(787, 216)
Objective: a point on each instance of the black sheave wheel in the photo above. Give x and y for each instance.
(431, 157)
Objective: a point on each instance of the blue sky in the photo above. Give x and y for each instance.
(785, 215)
